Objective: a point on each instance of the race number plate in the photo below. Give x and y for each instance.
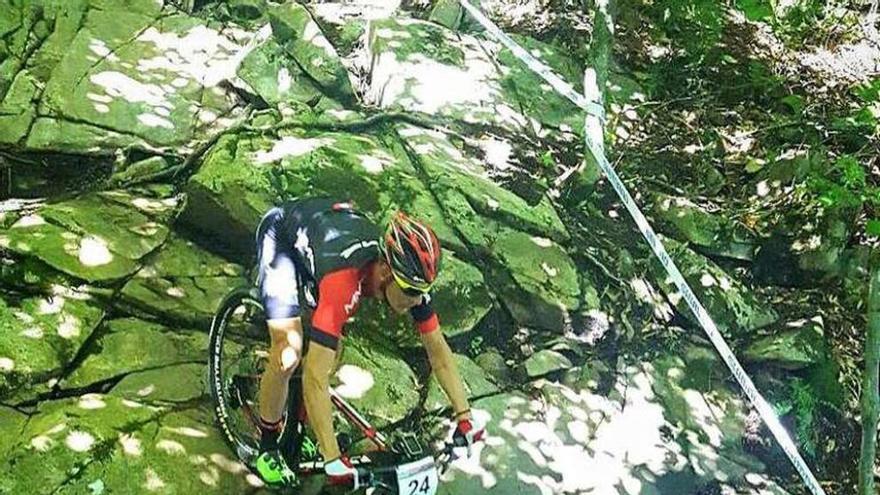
(417, 478)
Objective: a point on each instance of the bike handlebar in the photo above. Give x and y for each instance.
(385, 476)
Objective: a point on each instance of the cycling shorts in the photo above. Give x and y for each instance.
(277, 269)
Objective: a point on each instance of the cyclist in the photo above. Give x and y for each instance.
(335, 256)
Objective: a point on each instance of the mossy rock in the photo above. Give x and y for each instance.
(243, 176)
(545, 285)
(795, 345)
(65, 437)
(182, 283)
(39, 338)
(376, 380)
(296, 31)
(537, 100)
(131, 78)
(123, 446)
(736, 309)
(463, 188)
(475, 380)
(11, 424)
(544, 362)
(710, 416)
(130, 345)
(711, 233)
(273, 73)
(17, 110)
(423, 67)
(91, 238)
(170, 384)
(183, 452)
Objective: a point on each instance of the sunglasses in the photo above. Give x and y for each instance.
(408, 288)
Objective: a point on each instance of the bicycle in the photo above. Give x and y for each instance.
(238, 348)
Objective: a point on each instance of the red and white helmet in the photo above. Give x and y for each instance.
(413, 253)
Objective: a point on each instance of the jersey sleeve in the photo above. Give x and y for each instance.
(338, 295)
(425, 318)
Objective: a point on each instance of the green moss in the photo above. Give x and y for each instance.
(415, 38)
(136, 345)
(40, 336)
(393, 393)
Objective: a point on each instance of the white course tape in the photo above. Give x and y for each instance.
(763, 408)
(536, 65)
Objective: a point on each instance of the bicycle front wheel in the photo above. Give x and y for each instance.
(238, 350)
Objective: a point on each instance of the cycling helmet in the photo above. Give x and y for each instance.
(413, 253)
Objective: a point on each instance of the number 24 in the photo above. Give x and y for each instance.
(414, 486)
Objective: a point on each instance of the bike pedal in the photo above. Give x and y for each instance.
(344, 441)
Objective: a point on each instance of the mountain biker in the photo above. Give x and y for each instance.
(335, 256)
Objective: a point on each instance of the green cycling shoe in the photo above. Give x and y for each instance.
(272, 468)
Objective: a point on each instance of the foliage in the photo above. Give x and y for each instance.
(695, 25)
(801, 22)
(802, 404)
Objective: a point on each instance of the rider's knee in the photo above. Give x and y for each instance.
(285, 352)
(284, 359)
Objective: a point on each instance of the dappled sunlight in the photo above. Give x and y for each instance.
(75, 293)
(422, 84)
(338, 12)
(187, 431)
(153, 481)
(290, 146)
(313, 34)
(29, 221)
(93, 251)
(229, 465)
(171, 447)
(69, 327)
(154, 205)
(498, 152)
(202, 54)
(144, 392)
(32, 333)
(131, 446)
(147, 229)
(119, 85)
(542, 242)
(646, 293)
(254, 480)
(91, 401)
(175, 292)
(210, 476)
(51, 305)
(377, 162)
(79, 441)
(577, 441)
(355, 381)
(44, 441)
(131, 404)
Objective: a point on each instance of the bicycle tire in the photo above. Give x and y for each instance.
(230, 303)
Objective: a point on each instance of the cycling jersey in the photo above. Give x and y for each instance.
(325, 249)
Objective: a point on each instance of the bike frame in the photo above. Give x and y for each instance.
(359, 421)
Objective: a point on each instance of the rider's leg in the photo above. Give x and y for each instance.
(284, 356)
(279, 292)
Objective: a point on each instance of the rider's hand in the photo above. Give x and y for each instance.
(342, 472)
(467, 433)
